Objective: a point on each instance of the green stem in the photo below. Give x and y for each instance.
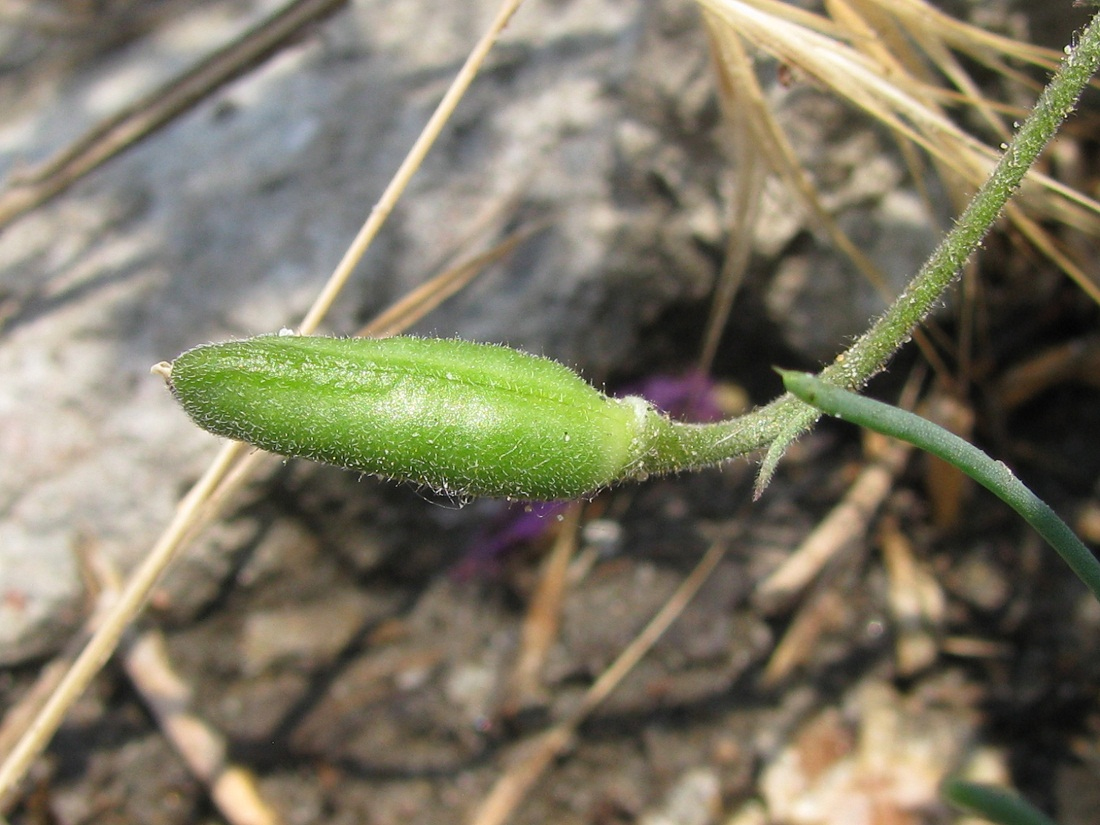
(993, 475)
(677, 447)
(783, 420)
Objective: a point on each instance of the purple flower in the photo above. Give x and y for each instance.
(688, 397)
(517, 525)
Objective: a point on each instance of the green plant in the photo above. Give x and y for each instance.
(441, 392)
(463, 418)
(773, 426)
(474, 419)
(991, 474)
(994, 804)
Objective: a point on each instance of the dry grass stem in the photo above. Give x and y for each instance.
(407, 169)
(530, 761)
(741, 91)
(823, 610)
(534, 757)
(947, 487)
(987, 48)
(917, 603)
(1075, 361)
(418, 302)
(894, 85)
(106, 638)
(543, 619)
(232, 788)
(844, 525)
(969, 647)
(33, 187)
(19, 718)
(752, 167)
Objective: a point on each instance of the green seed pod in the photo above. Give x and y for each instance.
(462, 418)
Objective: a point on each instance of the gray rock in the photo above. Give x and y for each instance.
(40, 593)
(289, 634)
(227, 222)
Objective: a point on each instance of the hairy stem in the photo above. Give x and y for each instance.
(785, 418)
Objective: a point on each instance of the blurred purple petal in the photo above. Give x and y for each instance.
(520, 524)
(688, 397)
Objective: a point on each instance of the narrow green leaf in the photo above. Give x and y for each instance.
(995, 804)
(991, 474)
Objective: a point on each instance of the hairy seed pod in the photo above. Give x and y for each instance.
(463, 418)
